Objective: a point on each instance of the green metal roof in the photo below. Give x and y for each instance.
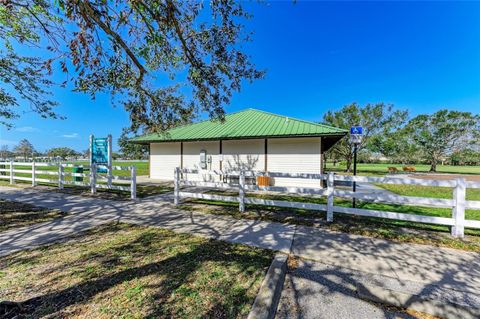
(245, 124)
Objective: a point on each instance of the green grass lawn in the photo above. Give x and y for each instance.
(401, 231)
(382, 169)
(113, 194)
(142, 190)
(15, 214)
(141, 169)
(126, 271)
(429, 191)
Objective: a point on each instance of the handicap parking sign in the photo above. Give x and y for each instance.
(356, 130)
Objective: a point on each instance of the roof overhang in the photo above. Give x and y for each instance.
(328, 140)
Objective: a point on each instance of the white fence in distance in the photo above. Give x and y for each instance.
(37, 169)
(458, 203)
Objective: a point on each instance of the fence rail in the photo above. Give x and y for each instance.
(31, 173)
(457, 203)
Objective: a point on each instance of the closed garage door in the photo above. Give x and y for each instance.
(164, 158)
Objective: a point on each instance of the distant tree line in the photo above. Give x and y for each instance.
(445, 136)
(25, 150)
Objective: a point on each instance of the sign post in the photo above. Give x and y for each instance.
(109, 164)
(356, 133)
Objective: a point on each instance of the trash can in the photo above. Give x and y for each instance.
(263, 181)
(78, 169)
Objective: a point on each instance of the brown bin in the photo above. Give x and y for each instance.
(263, 181)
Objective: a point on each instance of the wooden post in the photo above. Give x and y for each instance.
(458, 212)
(60, 175)
(33, 173)
(133, 182)
(330, 189)
(11, 171)
(241, 192)
(93, 178)
(176, 184)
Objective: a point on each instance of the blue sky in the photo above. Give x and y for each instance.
(319, 56)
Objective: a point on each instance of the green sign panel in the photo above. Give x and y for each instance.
(99, 153)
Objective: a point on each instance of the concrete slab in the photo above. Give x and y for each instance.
(315, 290)
(268, 296)
(445, 267)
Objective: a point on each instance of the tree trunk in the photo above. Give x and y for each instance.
(433, 165)
(349, 165)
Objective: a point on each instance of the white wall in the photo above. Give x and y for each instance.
(191, 158)
(243, 154)
(164, 157)
(295, 155)
(286, 155)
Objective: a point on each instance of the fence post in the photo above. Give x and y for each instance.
(60, 175)
(458, 212)
(330, 189)
(109, 176)
(133, 185)
(11, 171)
(241, 191)
(176, 185)
(93, 178)
(33, 173)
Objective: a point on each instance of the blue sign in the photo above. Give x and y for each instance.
(100, 153)
(356, 130)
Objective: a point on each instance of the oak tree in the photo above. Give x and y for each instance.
(162, 60)
(377, 120)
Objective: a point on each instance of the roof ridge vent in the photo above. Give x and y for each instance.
(286, 119)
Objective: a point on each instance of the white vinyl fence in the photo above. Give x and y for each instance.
(55, 173)
(458, 203)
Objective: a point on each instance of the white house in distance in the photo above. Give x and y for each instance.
(250, 140)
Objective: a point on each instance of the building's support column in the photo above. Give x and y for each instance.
(181, 155)
(322, 160)
(321, 156)
(266, 156)
(150, 160)
(220, 154)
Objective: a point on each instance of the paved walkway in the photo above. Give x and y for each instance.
(406, 267)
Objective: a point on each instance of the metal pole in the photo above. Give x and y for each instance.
(354, 171)
(109, 150)
(91, 150)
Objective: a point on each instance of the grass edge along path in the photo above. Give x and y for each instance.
(395, 230)
(111, 194)
(120, 270)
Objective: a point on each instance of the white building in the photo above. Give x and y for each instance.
(249, 140)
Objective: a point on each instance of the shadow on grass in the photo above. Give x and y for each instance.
(178, 272)
(15, 214)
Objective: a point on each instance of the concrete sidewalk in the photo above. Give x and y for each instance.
(86, 213)
(430, 268)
